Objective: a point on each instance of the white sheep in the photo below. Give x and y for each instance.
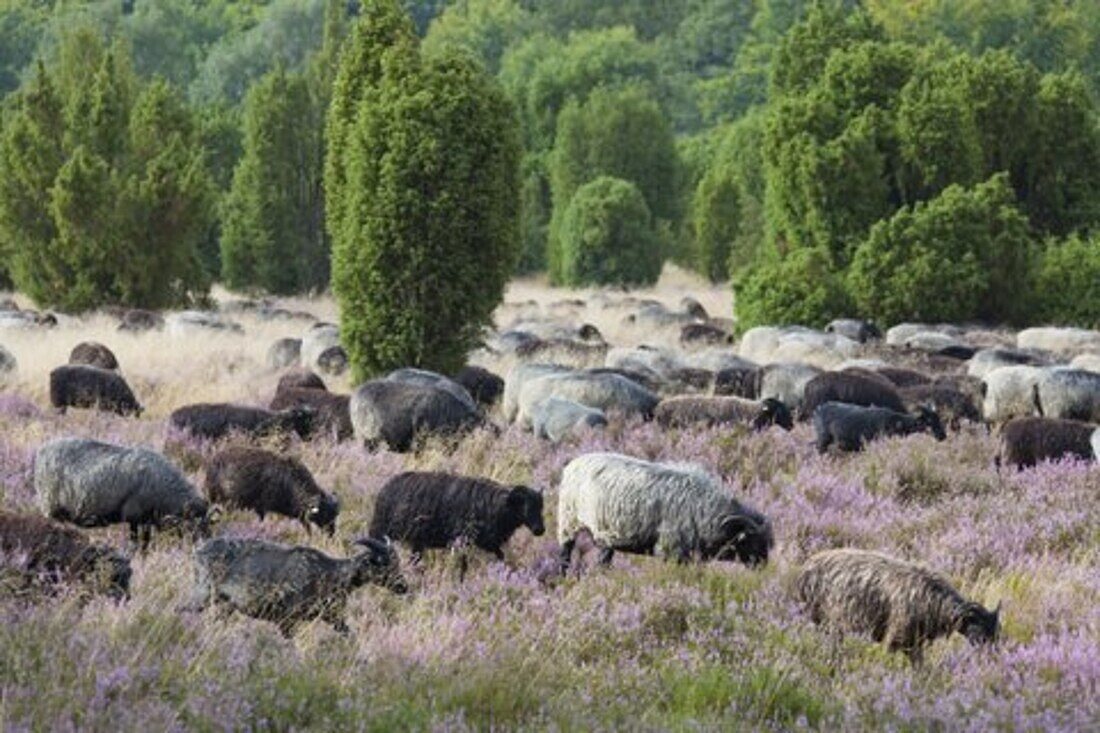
(1059, 340)
(517, 377)
(1009, 392)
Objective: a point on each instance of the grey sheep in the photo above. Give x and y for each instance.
(607, 392)
(1009, 392)
(686, 411)
(138, 321)
(517, 377)
(902, 605)
(569, 351)
(855, 329)
(785, 381)
(94, 484)
(91, 387)
(671, 511)
(284, 353)
(851, 427)
(398, 413)
(333, 361)
(251, 478)
(1027, 441)
(1071, 394)
(93, 353)
(986, 360)
(555, 418)
(424, 377)
(692, 334)
(288, 585)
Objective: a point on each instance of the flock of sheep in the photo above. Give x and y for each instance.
(1039, 388)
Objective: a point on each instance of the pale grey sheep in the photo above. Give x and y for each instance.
(1059, 340)
(899, 334)
(1071, 394)
(856, 329)
(1009, 392)
(672, 511)
(986, 360)
(903, 605)
(649, 360)
(1088, 362)
(409, 375)
(93, 484)
(604, 391)
(517, 377)
(555, 418)
(284, 353)
(316, 340)
(398, 414)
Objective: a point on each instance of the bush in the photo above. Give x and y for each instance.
(1066, 283)
(607, 236)
(716, 209)
(801, 288)
(961, 256)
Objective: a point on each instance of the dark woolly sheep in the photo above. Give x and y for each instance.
(850, 388)
(738, 382)
(693, 308)
(1027, 441)
(562, 350)
(139, 321)
(92, 353)
(213, 421)
(855, 329)
(902, 605)
(692, 334)
(333, 361)
(409, 375)
(300, 379)
(398, 413)
(91, 387)
(484, 386)
(901, 377)
(953, 405)
(331, 412)
(51, 552)
(284, 353)
(960, 352)
(686, 411)
(850, 427)
(686, 379)
(94, 484)
(250, 478)
(288, 585)
(433, 510)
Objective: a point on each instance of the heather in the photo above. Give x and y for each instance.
(642, 645)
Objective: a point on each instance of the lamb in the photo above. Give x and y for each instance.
(93, 353)
(851, 388)
(902, 605)
(953, 405)
(685, 411)
(250, 478)
(1009, 392)
(288, 585)
(484, 386)
(94, 484)
(1026, 441)
(84, 386)
(284, 353)
(607, 392)
(55, 553)
(850, 427)
(517, 377)
(397, 413)
(432, 379)
(331, 412)
(672, 511)
(556, 418)
(213, 421)
(433, 510)
(1072, 394)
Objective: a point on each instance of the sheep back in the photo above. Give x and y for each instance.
(555, 418)
(397, 413)
(850, 388)
(606, 392)
(1026, 441)
(251, 478)
(82, 386)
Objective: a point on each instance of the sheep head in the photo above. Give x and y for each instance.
(978, 625)
(379, 564)
(526, 503)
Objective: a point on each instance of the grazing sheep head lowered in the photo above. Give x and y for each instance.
(978, 625)
(527, 503)
(379, 564)
(323, 511)
(742, 539)
(773, 412)
(928, 418)
(194, 521)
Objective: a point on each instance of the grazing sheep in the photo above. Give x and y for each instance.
(1025, 441)
(692, 334)
(672, 511)
(1088, 362)
(607, 392)
(136, 320)
(556, 418)
(333, 361)
(92, 353)
(186, 323)
(850, 427)
(902, 378)
(8, 362)
(331, 412)
(484, 386)
(785, 382)
(432, 510)
(577, 354)
(851, 388)
(986, 360)
(935, 342)
(397, 413)
(1009, 392)
(432, 379)
(284, 353)
(953, 405)
(212, 421)
(649, 360)
(902, 605)
(1059, 340)
(855, 329)
(288, 585)
(517, 377)
(318, 338)
(300, 379)
(715, 360)
(737, 382)
(685, 411)
(46, 550)
(1072, 394)
(250, 478)
(899, 334)
(91, 387)
(93, 484)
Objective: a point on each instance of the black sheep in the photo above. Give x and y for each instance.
(1025, 441)
(850, 427)
(953, 405)
(850, 387)
(902, 377)
(331, 415)
(300, 379)
(703, 333)
(739, 381)
(250, 478)
(485, 387)
(78, 385)
(433, 510)
(397, 414)
(214, 421)
(93, 353)
(137, 321)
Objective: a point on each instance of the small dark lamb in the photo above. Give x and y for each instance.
(93, 353)
(850, 427)
(215, 421)
(1026, 441)
(250, 478)
(433, 510)
(851, 388)
(48, 551)
(78, 385)
(902, 605)
(288, 585)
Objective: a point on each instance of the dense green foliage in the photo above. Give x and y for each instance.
(425, 235)
(1066, 283)
(607, 236)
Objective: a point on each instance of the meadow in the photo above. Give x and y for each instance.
(643, 645)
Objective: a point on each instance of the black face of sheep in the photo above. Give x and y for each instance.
(590, 333)
(193, 522)
(773, 412)
(929, 419)
(980, 626)
(323, 513)
(333, 360)
(527, 502)
(744, 540)
(379, 564)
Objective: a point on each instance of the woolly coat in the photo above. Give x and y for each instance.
(284, 353)
(92, 353)
(850, 388)
(1026, 441)
(517, 377)
(300, 379)
(1072, 394)
(426, 378)
(671, 511)
(556, 418)
(331, 412)
(953, 405)
(606, 392)
(213, 421)
(484, 386)
(79, 385)
(784, 382)
(851, 427)
(1009, 392)
(397, 413)
(685, 411)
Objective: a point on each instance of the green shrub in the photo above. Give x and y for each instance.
(716, 209)
(608, 237)
(1066, 283)
(801, 288)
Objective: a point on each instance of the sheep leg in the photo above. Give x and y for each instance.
(565, 557)
(606, 555)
